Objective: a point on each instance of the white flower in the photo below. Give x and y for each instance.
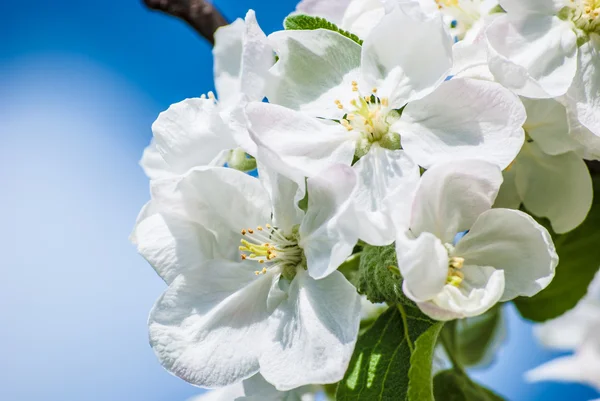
(206, 131)
(546, 48)
(225, 318)
(390, 102)
(257, 388)
(548, 176)
(575, 330)
(504, 253)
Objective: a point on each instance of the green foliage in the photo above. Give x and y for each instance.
(453, 385)
(308, 23)
(378, 276)
(420, 375)
(398, 346)
(579, 258)
(475, 337)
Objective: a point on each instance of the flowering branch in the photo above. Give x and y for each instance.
(199, 14)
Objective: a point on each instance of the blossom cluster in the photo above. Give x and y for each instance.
(429, 125)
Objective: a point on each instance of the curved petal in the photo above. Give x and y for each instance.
(326, 244)
(153, 163)
(423, 263)
(568, 331)
(556, 187)
(533, 55)
(191, 133)
(586, 85)
(362, 16)
(304, 145)
(451, 196)
(548, 126)
(387, 181)
(228, 393)
(315, 332)
(589, 144)
(511, 241)
(508, 196)
(485, 287)
(394, 69)
(205, 326)
(547, 7)
(227, 54)
(315, 68)
(206, 196)
(470, 61)
(257, 59)
(172, 245)
(463, 119)
(331, 10)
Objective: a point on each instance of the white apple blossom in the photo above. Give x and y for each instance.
(382, 104)
(546, 48)
(450, 274)
(225, 318)
(577, 330)
(257, 388)
(206, 131)
(548, 176)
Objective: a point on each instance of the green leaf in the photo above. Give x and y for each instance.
(420, 374)
(378, 275)
(451, 385)
(309, 23)
(579, 258)
(477, 337)
(379, 369)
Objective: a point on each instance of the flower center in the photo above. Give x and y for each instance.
(455, 264)
(270, 248)
(585, 14)
(464, 13)
(371, 117)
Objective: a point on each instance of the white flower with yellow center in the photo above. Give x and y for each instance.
(333, 101)
(253, 285)
(548, 48)
(459, 257)
(466, 18)
(209, 131)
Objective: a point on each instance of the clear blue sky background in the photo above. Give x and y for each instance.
(80, 83)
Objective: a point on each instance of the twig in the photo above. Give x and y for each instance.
(201, 15)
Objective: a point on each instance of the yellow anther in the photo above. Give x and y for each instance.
(354, 83)
(264, 270)
(350, 117)
(211, 95)
(261, 261)
(257, 272)
(374, 90)
(268, 225)
(355, 89)
(259, 228)
(243, 256)
(243, 232)
(251, 231)
(385, 102)
(339, 106)
(457, 262)
(454, 280)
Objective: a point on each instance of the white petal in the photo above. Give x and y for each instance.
(470, 61)
(387, 181)
(547, 7)
(285, 195)
(295, 144)
(508, 196)
(451, 196)
(533, 55)
(221, 199)
(423, 263)
(362, 16)
(463, 119)
(322, 236)
(512, 241)
(395, 69)
(547, 125)
(206, 327)
(191, 133)
(257, 59)
(487, 287)
(227, 54)
(153, 163)
(589, 144)
(568, 331)
(586, 85)
(315, 69)
(556, 187)
(257, 388)
(316, 330)
(331, 10)
(173, 245)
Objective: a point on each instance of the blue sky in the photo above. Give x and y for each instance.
(80, 84)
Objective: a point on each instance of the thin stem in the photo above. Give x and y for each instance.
(405, 324)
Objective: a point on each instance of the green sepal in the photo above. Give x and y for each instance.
(308, 23)
(453, 385)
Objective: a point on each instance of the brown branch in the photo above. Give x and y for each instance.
(199, 14)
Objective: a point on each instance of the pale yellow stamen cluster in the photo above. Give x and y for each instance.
(446, 3)
(455, 276)
(586, 14)
(366, 114)
(210, 96)
(264, 245)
